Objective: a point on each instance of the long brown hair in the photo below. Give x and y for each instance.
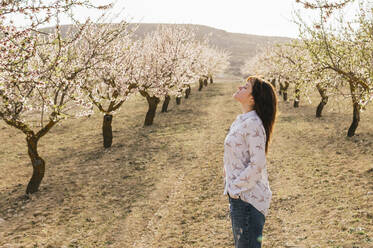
(265, 104)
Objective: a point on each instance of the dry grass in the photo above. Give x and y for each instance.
(161, 186)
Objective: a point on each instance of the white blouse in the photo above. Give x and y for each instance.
(245, 172)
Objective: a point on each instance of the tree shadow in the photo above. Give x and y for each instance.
(72, 172)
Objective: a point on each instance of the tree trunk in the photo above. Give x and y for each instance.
(296, 98)
(107, 132)
(273, 82)
(205, 81)
(323, 102)
(153, 103)
(296, 103)
(38, 165)
(200, 84)
(285, 96)
(187, 92)
(165, 103)
(285, 91)
(211, 80)
(320, 107)
(355, 120)
(281, 89)
(356, 112)
(178, 100)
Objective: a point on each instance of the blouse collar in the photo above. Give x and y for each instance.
(246, 115)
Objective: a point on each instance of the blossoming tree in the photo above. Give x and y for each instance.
(109, 82)
(166, 65)
(213, 62)
(38, 72)
(346, 49)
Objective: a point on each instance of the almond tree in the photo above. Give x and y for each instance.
(213, 61)
(308, 75)
(189, 68)
(292, 62)
(347, 50)
(40, 12)
(217, 61)
(268, 64)
(327, 6)
(185, 56)
(109, 82)
(37, 77)
(296, 67)
(164, 59)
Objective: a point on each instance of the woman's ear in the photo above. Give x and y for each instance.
(251, 98)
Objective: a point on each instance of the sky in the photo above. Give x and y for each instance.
(262, 17)
(259, 17)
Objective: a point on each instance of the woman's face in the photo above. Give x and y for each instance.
(243, 94)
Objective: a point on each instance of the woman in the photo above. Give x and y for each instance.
(245, 172)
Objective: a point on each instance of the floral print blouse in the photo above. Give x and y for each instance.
(245, 172)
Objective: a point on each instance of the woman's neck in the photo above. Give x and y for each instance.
(246, 108)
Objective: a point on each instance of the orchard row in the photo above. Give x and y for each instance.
(52, 75)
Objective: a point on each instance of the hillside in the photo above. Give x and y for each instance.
(241, 46)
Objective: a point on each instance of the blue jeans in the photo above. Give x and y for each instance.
(247, 224)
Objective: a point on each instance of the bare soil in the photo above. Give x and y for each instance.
(161, 186)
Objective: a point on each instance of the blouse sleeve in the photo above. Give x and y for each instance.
(254, 140)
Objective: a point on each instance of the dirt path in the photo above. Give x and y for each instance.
(187, 198)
